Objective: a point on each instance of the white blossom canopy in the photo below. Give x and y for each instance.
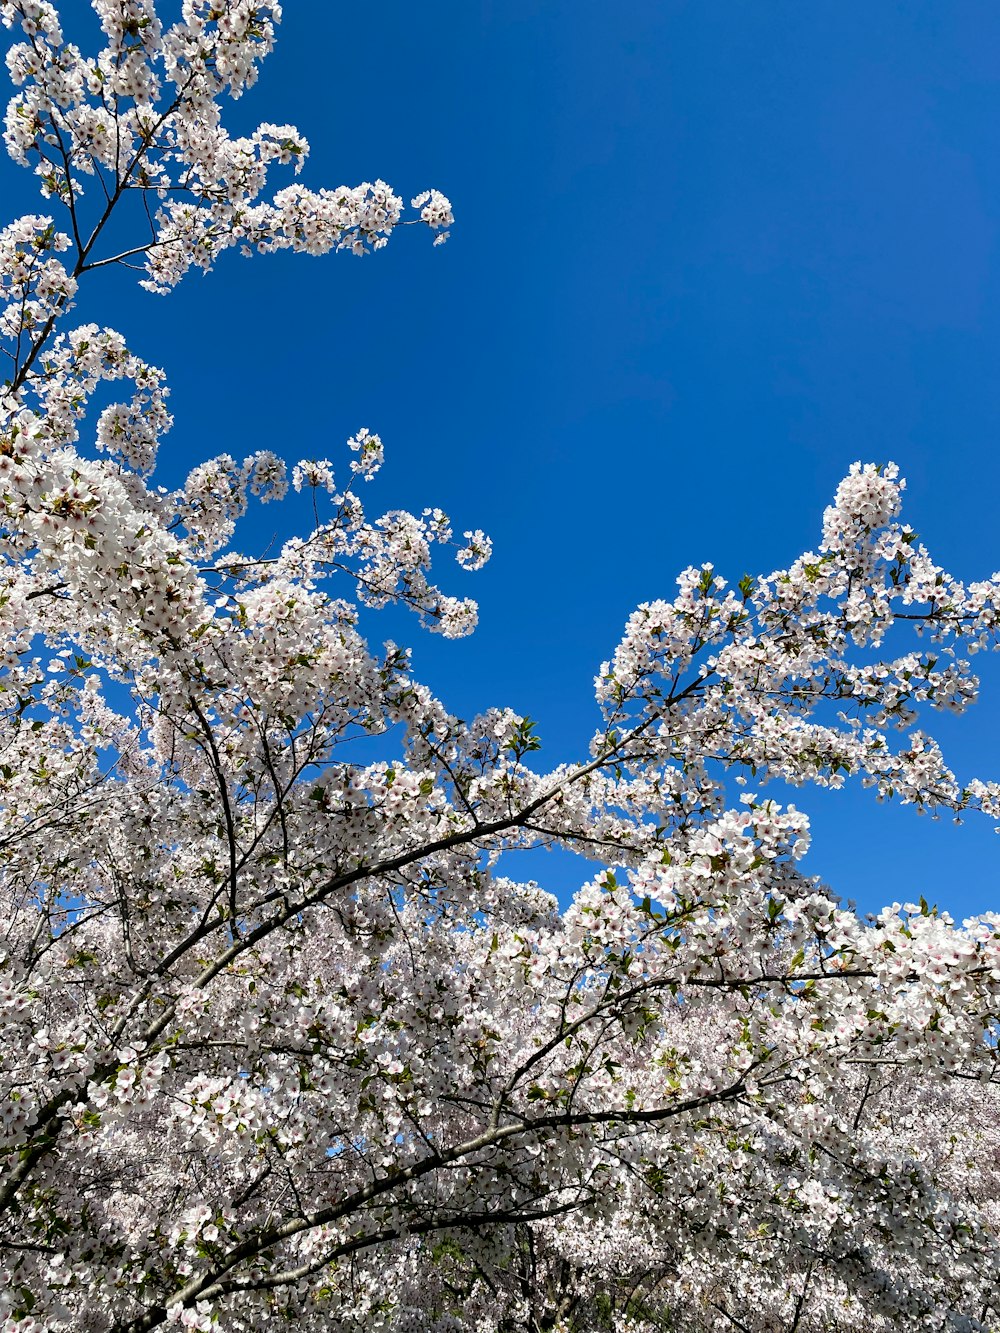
(279, 1042)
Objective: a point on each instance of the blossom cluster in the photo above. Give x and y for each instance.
(143, 118)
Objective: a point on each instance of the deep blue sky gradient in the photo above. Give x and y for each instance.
(707, 254)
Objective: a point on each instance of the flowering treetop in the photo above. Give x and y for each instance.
(278, 1039)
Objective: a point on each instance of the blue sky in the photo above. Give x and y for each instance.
(706, 255)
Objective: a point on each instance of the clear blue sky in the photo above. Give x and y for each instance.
(707, 254)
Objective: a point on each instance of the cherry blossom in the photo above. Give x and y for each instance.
(282, 1041)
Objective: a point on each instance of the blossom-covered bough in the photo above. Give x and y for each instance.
(278, 1041)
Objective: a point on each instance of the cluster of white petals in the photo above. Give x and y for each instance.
(34, 285)
(282, 1042)
(144, 120)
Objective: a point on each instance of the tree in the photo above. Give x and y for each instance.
(279, 1040)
